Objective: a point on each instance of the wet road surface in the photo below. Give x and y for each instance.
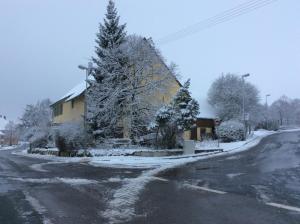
(261, 185)
(34, 192)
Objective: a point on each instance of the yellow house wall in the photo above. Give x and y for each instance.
(70, 114)
(164, 95)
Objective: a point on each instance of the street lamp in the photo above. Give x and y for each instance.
(88, 70)
(267, 110)
(267, 99)
(244, 118)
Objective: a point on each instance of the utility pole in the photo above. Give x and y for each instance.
(267, 111)
(244, 116)
(267, 99)
(88, 71)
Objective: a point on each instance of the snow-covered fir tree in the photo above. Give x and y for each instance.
(185, 107)
(172, 120)
(105, 103)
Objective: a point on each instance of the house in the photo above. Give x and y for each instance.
(71, 106)
(204, 129)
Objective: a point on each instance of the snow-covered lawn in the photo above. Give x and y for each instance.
(252, 140)
(156, 162)
(115, 152)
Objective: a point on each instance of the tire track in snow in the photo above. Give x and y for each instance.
(121, 208)
(40, 209)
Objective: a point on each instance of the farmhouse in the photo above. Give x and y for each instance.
(71, 107)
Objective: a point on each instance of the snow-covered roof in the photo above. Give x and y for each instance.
(74, 92)
(3, 123)
(1, 133)
(206, 110)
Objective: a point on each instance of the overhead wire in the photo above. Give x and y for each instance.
(222, 17)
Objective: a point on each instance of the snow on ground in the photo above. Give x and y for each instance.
(121, 207)
(115, 151)
(47, 150)
(252, 140)
(57, 180)
(140, 162)
(8, 147)
(37, 207)
(39, 167)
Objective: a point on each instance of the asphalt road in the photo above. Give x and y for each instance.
(249, 187)
(55, 193)
(261, 185)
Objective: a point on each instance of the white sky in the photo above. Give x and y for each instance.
(43, 41)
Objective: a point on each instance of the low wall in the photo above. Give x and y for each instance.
(158, 153)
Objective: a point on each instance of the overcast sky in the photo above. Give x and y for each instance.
(43, 41)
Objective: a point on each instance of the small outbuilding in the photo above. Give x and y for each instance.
(204, 129)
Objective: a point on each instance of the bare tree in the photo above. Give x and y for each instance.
(226, 97)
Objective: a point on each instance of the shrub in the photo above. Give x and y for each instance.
(71, 137)
(270, 125)
(39, 142)
(231, 131)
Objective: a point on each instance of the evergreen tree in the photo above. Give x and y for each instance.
(111, 35)
(185, 107)
(103, 95)
(172, 120)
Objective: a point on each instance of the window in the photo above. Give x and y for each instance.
(72, 103)
(58, 109)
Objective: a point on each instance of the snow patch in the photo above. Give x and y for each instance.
(114, 179)
(8, 147)
(121, 208)
(57, 180)
(37, 207)
(233, 175)
(39, 167)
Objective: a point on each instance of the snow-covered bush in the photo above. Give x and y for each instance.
(171, 121)
(35, 126)
(71, 137)
(40, 141)
(166, 130)
(231, 131)
(270, 125)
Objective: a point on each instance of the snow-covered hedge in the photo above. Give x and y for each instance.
(72, 136)
(231, 131)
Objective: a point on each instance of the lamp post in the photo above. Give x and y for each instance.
(88, 71)
(267, 110)
(244, 118)
(267, 99)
